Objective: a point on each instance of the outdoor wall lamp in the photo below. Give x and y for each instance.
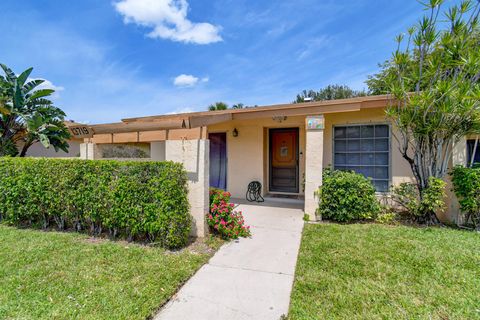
(235, 132)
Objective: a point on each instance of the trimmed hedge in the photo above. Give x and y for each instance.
(146, 201)
(347, 196)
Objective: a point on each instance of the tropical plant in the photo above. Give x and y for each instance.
(27, 116)
(218, 106)
(408, 199)
(466, 184)
(330, 92)
(433, 78)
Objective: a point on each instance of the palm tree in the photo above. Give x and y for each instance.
(27, 116)
(238, 106)
(218, 106)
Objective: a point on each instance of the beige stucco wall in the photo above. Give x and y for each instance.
(248, 153)
(400, 170)
(157, 150)
(38, 150)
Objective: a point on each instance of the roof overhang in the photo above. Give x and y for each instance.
(207, 118)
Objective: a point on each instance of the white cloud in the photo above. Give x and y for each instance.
(181, 110)
(313, 46)
(187, 80)
(168, 18)
(48, 85)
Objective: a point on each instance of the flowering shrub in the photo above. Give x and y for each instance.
(222, 219)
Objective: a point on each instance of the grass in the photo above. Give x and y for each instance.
(51, 275)
(369, 271)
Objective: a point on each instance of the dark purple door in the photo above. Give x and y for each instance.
(218, 160)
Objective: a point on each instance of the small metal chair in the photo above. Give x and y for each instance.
(254, 192)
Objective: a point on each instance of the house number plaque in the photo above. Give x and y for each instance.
(315, 123)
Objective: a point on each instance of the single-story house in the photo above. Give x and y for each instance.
(284, 147)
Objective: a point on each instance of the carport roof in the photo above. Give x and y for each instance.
(206, 118)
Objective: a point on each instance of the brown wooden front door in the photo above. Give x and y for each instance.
(284, 160)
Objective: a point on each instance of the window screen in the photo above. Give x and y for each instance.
(364, 149)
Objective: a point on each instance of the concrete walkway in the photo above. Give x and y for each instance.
(249, 278)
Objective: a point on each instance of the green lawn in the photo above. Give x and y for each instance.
(50, 275)
(368, 271)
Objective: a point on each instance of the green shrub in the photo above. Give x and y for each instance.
(346, 196)
(466, 184)
(145, 201)
(386, 216)
(407, 196)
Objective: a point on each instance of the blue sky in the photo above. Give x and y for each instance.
(126, 58)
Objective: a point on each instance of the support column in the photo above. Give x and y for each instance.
(89, 151)
(194, 155)
(313, 163)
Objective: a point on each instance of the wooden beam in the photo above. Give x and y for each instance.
(139, 126)
(102, 138)
(204, 133)
(298, 111)
(202, 121)
(150, 136)
(125, 137)
(375, 104)
(185, 134)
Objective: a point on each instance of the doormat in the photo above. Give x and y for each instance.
(284, 196)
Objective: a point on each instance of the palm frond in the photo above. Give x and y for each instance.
(22, 78)
(39, 102)
(40, 94)
(11, 77)
(32, 85)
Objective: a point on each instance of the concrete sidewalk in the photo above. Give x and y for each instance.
(249, 278)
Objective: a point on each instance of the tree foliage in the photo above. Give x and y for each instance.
(238, 106)
(224, 106)
(433, 78)
(27, 115)
(466, 184)
(330, 92)
(218, 106)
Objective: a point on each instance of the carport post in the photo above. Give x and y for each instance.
(194, 155)
(89, 151)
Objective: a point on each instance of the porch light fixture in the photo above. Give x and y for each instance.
(235, 132)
